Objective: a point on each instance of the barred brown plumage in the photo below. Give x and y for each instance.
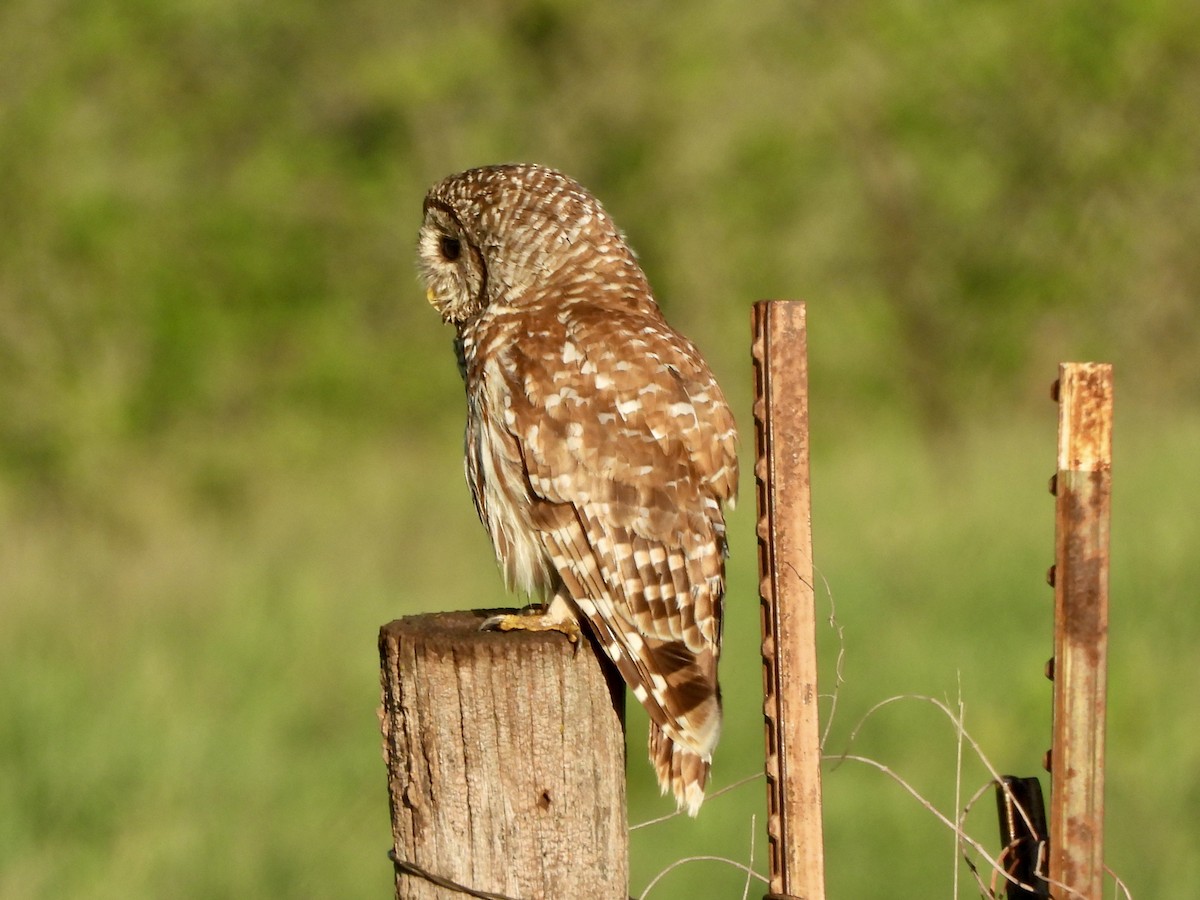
(600, 450)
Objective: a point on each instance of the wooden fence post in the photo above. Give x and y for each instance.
(1082, 487)
(785, 565)
(505, 756)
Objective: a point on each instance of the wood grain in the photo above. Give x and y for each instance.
(506, 761)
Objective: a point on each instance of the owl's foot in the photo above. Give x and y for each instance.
(538, 620)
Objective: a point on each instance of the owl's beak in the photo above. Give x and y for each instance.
(442, 310)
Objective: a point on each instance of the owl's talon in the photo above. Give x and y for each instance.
(539, 621)
(497, 623)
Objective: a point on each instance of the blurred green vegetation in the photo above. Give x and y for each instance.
(230, 425)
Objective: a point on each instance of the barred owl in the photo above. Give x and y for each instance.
(600, 451)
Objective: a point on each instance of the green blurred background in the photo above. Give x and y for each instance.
(230, 425)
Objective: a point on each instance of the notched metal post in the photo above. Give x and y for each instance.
(793, 764)
(1082, 487)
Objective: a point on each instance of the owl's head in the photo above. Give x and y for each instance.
(512, 233)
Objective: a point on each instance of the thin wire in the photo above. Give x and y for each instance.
(416, 871)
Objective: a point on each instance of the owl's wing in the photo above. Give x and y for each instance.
(630, 453)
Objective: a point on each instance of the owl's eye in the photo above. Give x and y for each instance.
(450, 248)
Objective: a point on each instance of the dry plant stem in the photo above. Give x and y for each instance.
(753, 829)
(937, 813)
(1119, 883)
(709, 798)
(750, 873)
(839, 676)
(956, 827)
(958, 763)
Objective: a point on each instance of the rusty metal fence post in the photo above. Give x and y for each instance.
(793, 766)
(1082, 487)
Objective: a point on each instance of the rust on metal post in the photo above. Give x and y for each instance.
(785, 565)
(1083, 486)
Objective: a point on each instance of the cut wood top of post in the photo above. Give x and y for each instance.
(460, 629)
(1084, 394)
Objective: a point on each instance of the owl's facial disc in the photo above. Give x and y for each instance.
(450, 269)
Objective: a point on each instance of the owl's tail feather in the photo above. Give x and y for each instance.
(681, 771)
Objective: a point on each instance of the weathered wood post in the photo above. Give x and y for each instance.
(785, 565)
(505, 756)
(1082, 487)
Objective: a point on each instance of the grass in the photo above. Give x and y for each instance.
(189, 692)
